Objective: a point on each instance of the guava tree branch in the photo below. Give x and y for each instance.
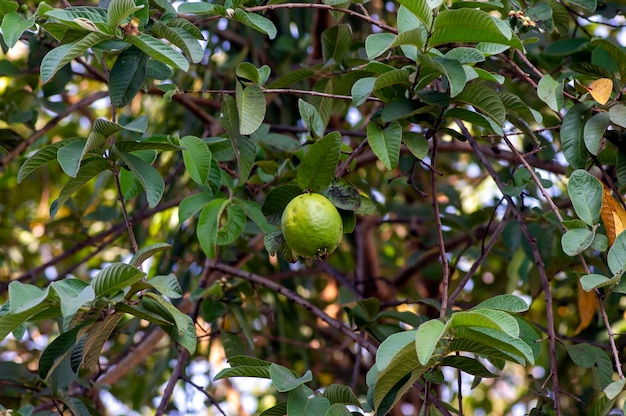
(20, 148)
(532, 243)
(297, 299)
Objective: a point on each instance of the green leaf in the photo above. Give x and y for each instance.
(317, 169)
(471, 26)
(343, 195)
(416, 143)
(615, 389)
(336, 42)
(202, 8)
(97, 336)
(385, 143)
(233, 227)
(594, 281)
(26, 297)
(127, 76)
(149, 177)
(585, 191)
(146, 252)
(55, 350)
(284, 379)
(197, 158)
(302, 402)
(451, 68)
(484, 99)
(114, 278)
(276, 200)
(159, 51)
(550, 92)
(142, 313)
(468, 365)
(311, 118)
(13, 26)
(181, 38)
(192, 204)
(486, 318)
(73, 294)
(617, 114)
(377, 43)
(167, 285)
(63, 54)
(427, 337)
(507, 303)
(86, 173)
(338, 410)
(70, 156)
(590, 5)
(253, 211)
(250, 108)
(362, 89)
(185, 331)
(616, 52)
(572, 142)
(513, 347)
(41, 157)
(391, 346)
(421, 10)
(208, 226)
(576, 241)
(120, 10)
(340, 394)
(256, 22)
(616, 258)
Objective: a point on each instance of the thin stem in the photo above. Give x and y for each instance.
(445, 275)
(129, 226)
(284, 91)
(169, 388)
(203, 391)
(607, 324)
(349, 12)
(459, 381)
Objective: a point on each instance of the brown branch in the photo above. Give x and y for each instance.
(20, 148)
(321, 6)
(297, 299)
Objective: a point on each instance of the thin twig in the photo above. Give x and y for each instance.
(285, 91)
(129, 227)
(203, 391)
(297, 299)
(169, 388)
(445, 270)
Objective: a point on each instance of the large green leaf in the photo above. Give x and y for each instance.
(550, 92)
(311, 118)
(70, 156)
(167, 285)
(468, 365)
(616, 52)
(13, 26)
(127, 76)
(385, 142)
(391, 346)
(97, 336)
(616, 258)
(336, 42)
(56, 349)
(585, 191)
(421, 10)
(149, 177)
(120, 10)
(284, 380)
(62, 55)
(208, 226)
(232, 228)
(471, 26)
(572, 142)
(114, 278)
(73, 294)
(146, 252)
(41, 157)
(486, 318)
(427, 337)
(182, 38)
(27, 298)
(484, 99)
(317, 169)
(256, 22)
(250, 107)
(576, 240)
(338, 393)
(497, 339)
(159, 51)
(451, 68)
(197, 158)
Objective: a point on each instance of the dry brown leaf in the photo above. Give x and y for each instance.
(587, 307)
(613, 216)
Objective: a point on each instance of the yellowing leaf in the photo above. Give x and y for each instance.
(587, 308)
(601, 89)
(613, 216)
